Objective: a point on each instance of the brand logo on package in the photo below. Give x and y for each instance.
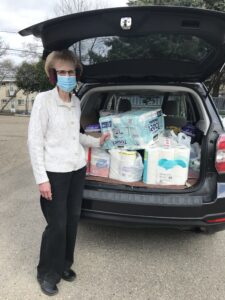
(125, 23)
(153, 125)
(107, 124)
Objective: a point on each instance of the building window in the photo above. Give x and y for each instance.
(4, 101)
(20, 102)
(11, 88)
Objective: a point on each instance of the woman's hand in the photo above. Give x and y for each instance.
(104, 137)
(45, 190)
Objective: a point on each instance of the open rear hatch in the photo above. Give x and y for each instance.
(130, 43)
(139, 44)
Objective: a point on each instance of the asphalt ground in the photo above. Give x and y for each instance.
(111, 262)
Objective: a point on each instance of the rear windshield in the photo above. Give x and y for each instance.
(153, 46)
(178, 105)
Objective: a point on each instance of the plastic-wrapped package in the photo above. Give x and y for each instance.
(132, 130)
(125, 165)
(192, 131)
(195, 159)
(167, 162)
(100, 162)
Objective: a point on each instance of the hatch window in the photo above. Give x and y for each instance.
(157, 46)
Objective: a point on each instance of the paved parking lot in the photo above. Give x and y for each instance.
(111, 263)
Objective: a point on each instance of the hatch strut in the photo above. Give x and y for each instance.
(215, 79)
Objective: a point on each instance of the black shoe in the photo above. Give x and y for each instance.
(69, 275)
(47, 288)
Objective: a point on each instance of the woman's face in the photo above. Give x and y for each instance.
(66, 77)
(64, 68)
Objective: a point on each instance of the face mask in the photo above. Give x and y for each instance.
(66, 83)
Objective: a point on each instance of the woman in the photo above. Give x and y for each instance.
(59, 166)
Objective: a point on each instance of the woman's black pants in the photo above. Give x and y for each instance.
(62, 214)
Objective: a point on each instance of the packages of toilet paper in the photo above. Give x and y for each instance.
(166, 163)
(125, 165)
(132, 130)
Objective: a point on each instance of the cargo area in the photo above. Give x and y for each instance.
(170, 158)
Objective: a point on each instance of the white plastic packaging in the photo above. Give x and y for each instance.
(167, 162)
(126, 165)
(100, 162)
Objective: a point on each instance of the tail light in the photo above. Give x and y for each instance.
(220, 154)
(219, 220)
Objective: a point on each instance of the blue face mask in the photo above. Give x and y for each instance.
(66, 83)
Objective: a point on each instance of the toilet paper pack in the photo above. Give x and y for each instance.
(132, 130)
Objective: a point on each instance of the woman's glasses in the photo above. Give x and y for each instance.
(64, 72)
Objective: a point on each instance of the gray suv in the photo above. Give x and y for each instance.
(150, 57)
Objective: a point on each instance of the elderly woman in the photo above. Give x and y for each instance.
(59, 167)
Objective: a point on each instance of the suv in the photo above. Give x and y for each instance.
(150, 57)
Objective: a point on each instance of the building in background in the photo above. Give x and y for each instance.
(18, 101)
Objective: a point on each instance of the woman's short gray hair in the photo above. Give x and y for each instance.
(64, 55)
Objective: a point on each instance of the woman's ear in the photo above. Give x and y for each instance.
(52, 76)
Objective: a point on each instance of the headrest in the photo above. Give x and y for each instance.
(124, 105)
(170, 108)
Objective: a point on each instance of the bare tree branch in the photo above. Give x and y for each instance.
(65, 7)
(31, 52)
(3, 47)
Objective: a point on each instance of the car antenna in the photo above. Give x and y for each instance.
(216, 79)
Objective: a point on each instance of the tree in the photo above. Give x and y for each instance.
(65, 7)
(7, 69)
(216, 5)
(192, 3)
(3, 48)
(207, 4)
(31, 51)
(6, 65)
(31, 77)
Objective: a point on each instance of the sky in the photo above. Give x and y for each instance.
(19, 14)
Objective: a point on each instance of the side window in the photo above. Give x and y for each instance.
(176, 106)
(179, 109)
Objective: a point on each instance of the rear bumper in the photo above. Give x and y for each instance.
(153, 222)
(130, 208)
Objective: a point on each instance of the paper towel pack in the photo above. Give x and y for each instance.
(166, 165)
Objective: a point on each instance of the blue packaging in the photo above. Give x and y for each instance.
(132, 130)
